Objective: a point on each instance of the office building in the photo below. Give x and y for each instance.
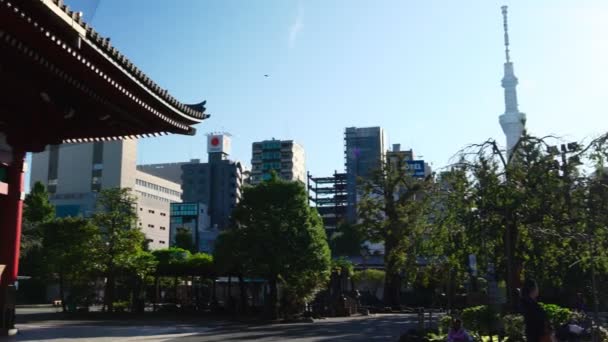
(216, 184)
(364, 153)
(168, 171)
(75, 173)
(285, 157)
(195, 218)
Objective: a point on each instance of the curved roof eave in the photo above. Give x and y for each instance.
(193, 113)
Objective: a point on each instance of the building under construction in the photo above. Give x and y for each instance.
(329, 196)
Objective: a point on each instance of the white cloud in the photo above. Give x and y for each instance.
(296, 27)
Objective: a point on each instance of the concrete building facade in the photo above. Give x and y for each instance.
(75, 173)
(216, 184)
(364, 153)
(195, 218)
(168, 171)
(286, 157)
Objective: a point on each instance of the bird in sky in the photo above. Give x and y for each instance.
(266, 75)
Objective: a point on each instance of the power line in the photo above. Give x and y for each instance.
(94, 10)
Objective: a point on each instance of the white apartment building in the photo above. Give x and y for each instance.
(75, 173)
(285, 157)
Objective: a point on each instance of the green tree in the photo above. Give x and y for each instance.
(370, 278)
(68, 257)
(139, 265)
(348, 240)
(116, 216)
(533, 212)
(183, 239)
(394, 210)
(285, 239)
(37, 210)
(452, 223)
(230, 259)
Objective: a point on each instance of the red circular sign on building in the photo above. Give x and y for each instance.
(215, 141)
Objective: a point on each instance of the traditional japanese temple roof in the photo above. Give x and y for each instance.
(64, 75)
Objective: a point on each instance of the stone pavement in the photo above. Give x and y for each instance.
(386, 327)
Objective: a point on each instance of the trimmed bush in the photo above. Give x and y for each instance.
(514, 327)
(481, 320)
(556, 314)
(121, 306)
(445, 323)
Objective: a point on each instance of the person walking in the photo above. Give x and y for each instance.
(535, 318)
(457, 333)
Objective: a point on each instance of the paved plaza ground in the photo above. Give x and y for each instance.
(35, 327)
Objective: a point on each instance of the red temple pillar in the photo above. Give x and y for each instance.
(11, 209)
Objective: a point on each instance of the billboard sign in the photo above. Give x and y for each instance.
(218, 143)
(415, 168)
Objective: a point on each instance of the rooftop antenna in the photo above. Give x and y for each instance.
(505, 24)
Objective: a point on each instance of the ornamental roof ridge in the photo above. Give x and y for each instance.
(103, 43)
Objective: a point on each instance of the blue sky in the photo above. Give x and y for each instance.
(427, 71)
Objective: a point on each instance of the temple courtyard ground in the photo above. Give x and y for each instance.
(42, 324)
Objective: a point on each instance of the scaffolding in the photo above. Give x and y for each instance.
(329, 196)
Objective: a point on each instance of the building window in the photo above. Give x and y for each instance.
(161, 242)
(150, 226)
(163, 228)
(163, 214)
(151, 211)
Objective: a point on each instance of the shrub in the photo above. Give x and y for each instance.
(602, 334)
(578, 317)
(121, 306)
(482, 320)
(556, 314)
(445, 323)
(514, 327)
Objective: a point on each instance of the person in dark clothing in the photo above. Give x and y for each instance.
(535, 318)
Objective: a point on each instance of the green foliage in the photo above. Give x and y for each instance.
(70, 255)
(556, 314)
(37, 207)
(342, 266)
(394, 209)
(176, 261)
(433, 337)
(183, 239)
(121, 306)
(514, 327)
(200, 264)
(445, 324)
(37, 210)
(283, 238)
(482, 320)
(347, 240)
(373, 278)
(116, 217)
(555, 209)
(229, 254)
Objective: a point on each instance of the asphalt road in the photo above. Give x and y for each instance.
(362, 328)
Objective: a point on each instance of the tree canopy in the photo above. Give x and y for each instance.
(284, 237)
(394, 210)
